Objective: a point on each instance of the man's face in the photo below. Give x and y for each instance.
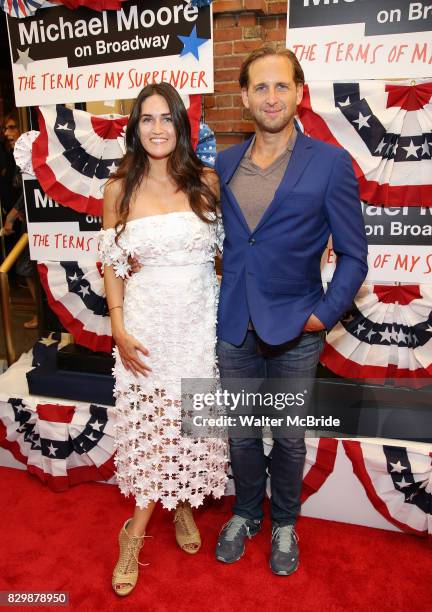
(272, 95)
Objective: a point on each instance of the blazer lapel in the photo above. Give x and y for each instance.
(300, 158)
(230, 167)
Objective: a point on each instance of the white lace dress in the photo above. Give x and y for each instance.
(170, 307)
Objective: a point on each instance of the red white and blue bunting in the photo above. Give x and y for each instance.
(77, 296)
(26, 8)
(386, 128)
(387, 334)
(62, 445)
(206, 147)
(76, 152)
(65, 445)
(23, 151)
(21, 8)
(74, 155)
(397, 481)
(319, 464)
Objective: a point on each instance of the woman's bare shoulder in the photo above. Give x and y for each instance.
(114, 188)
(112, 196)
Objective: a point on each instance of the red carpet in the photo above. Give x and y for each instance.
(67, 542)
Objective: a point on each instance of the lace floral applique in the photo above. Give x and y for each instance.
(113, 254)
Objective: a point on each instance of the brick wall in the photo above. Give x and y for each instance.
(239, 26)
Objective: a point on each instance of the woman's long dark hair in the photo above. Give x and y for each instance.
(184, 167)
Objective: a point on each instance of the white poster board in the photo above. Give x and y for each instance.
(400, 245)
(361, 39)
(66, 56)
(58, 233)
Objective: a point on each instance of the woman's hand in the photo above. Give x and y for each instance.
(134, 264)
(128, 348)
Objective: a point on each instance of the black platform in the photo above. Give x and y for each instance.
(78, 374)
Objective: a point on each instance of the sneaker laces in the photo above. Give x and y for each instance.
(234, 526)
(284, 536)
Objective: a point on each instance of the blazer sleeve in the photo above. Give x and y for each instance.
(345, 219)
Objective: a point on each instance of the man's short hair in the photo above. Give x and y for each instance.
(265, 51)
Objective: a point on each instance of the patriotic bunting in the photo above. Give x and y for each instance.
(397, 481)
(21, 8)
(77, 296)
(206, 147)
(387, 334)
(386, 128)
(23, 151)
(319, 464)
(62, 445)
(74, 155)
(76, 152)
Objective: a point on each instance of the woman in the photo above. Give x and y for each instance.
(161, 208)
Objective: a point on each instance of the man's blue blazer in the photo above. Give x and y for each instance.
(272, 274)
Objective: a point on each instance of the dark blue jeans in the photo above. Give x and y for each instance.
(254, 359)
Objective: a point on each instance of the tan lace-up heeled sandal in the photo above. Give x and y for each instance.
(187, 534)
(125, 573)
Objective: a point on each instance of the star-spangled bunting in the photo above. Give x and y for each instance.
(65, 445)
(23, 151)
(73, 155)
(397, 480)
(386, 128)
(21, 8)
(206, 147)
(61, 444)
(76, 152)
(386, 335)
(76, 294)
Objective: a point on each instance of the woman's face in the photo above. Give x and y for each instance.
(156, 129)
(11, 132)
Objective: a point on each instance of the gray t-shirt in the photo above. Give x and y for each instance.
(254, 187)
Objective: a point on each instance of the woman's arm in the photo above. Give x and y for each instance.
(127, 345)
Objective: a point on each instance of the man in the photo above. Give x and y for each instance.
(282, 195)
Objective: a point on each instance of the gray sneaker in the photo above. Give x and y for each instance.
(231, 541)
(284, 558)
